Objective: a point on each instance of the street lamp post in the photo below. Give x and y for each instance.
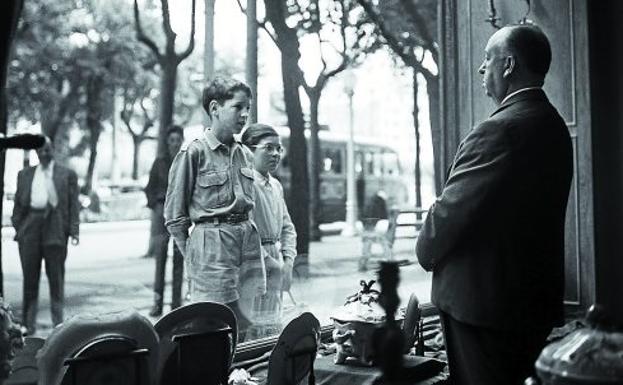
(350, 227)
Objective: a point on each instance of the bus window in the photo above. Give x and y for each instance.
(378, 164)
(358, 163)
(369, 163)
(390, 163)
(332, 161)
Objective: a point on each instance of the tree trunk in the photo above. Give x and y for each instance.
(168, 82)
(95, 91)
(315, 207)
(416, 126)
(136, 141)
(88, 180)
(298, 201)
(299, 181)
(432, 88)
(251, 67)
(114, 149)
(208, 49)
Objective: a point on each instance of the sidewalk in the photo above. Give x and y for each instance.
(106, 273)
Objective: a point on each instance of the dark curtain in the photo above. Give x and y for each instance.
(11, 9)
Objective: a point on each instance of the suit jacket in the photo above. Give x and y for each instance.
(156, 189)
(494, 239)
(64, 219)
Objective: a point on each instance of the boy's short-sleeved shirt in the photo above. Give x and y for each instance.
(208, 179)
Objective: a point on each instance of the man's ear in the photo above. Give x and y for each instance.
(509, 66)
(213, 108)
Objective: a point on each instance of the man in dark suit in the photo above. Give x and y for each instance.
(45, 215)
(156, 192)
(494, 239)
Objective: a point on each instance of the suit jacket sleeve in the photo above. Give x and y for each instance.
(74, 205)
(152, 185)
(481, 166)
(18, 209)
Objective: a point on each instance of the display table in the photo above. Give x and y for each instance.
(327, 373)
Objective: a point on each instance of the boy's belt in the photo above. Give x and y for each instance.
(231, 218)
(269, 241)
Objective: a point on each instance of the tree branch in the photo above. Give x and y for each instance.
(166, 22)
(405, 53)
(420, 25)
(191, 43)
(140, 34)
(145, 111)
(260, 23)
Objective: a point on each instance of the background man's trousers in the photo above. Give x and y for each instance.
(161, 248)
(160, 238)
(33, 249)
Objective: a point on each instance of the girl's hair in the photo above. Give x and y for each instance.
(256, 132)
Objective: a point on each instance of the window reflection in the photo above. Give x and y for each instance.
(113, 267)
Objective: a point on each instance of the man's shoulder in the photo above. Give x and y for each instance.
(27, 170)
(492, 127)
(25, 174)
(193, 148)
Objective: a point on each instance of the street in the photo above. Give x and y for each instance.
(106, 272)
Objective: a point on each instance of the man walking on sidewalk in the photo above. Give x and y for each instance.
(45, 216)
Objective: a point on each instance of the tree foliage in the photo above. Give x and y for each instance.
(72, 59)
(168, 61)
(341, 37)
(409, 29)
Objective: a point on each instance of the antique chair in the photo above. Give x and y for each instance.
(197, 344)
(119, 348)
(292, 358)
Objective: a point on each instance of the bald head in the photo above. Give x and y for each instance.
(516, 57)
(529, 45)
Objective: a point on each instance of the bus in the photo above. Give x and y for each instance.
(377, 168)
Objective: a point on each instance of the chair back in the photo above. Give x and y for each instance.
(108, 360)
(292, 358)
(197, 344)
(411, 321)
(96, 349)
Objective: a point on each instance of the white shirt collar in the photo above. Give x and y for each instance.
(47, 169)
(265, 179)
(519, 91)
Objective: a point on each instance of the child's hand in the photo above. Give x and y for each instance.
(286, 274)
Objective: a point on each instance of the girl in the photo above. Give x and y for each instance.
(278, 236)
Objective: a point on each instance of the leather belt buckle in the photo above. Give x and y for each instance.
(231, 218)
(268, 241)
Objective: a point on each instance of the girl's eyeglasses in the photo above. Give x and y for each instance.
(271, 148)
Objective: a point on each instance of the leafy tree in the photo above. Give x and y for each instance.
(168, 60)
(136, 111)
(42, 85)
(408, 27)
(337, 27)
(71, 58)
